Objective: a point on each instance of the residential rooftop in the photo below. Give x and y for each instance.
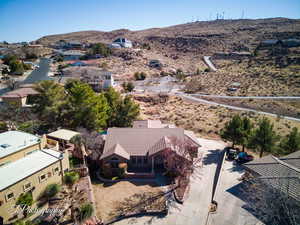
(24, 167)
(13, 141)
(138, 141)
(281, 173)
(20, 93)
(63, 134)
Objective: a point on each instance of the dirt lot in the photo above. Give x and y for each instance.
(205, 120)
(122, 195)
(280, 107)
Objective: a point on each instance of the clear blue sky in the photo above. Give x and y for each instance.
(27, 20)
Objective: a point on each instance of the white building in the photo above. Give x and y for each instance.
(122, 42)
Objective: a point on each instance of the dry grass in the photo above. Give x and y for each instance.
(109, 199)
(205, 120)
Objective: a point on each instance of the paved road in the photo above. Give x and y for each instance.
(209, 63)
(189, 97)
(36, 75)
(250, 97)
(40, 73)
(228, 195)
(194, 210)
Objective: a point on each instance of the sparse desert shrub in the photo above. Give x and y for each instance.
(51, 190)
(86, 211)
(71, 178)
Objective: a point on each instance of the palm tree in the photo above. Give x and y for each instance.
(78, 142)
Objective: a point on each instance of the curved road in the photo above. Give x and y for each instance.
(232, 107)
(250, 97)
(209, 63)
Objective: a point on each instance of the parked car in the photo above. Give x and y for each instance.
(155, 63)
(243, 157)
(231, 153)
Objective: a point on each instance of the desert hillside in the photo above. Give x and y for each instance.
(204, 37)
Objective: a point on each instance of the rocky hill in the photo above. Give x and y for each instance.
(204, 37)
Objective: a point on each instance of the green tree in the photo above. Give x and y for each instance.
(9, 58)
(78, 142)
(122, 111)
(86, 211)
(233, 130)
(71, 178)
(140, 75)
(23, 222)
(247, 128)
(29, 126)
(25, 200)
(51, 104)
(89, 110)
(3, 126)
(290, 143)
(16, 67)
(264, 137)
(128, 86)
(101, 49)
(51, 190)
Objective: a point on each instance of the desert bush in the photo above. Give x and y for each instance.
(86, 211)
(51, 190)
(71, 178)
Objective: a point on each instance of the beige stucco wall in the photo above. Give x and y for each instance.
(18, 188)
(15, 101)
(20, 154)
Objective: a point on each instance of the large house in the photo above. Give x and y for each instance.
(72, 55)
(97, 78)
(142, 146)
(282, 173)
(27, 165)
(21, 97)
(121, 43)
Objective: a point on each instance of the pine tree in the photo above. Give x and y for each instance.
(264, 137)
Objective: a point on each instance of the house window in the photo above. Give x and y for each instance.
(139, 160)
(3, 164)
(114, 159)
(133, 159)
(28, 153)
(27, 186)
(43, 177)
(56, 170)
(145, 160)
(9, 196)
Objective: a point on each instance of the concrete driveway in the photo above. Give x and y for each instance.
(230, 205)
(194, 211)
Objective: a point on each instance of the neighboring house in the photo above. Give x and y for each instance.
(281, 173)
(232, 55)
(122, 42)
(97, 78)
(78, 63)
(101, 81)
(63, 137)
(72, 55)
(27, 165)
(68, 45)
(21, 97)
(142, 146)
(292, 42)
(270, 43)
